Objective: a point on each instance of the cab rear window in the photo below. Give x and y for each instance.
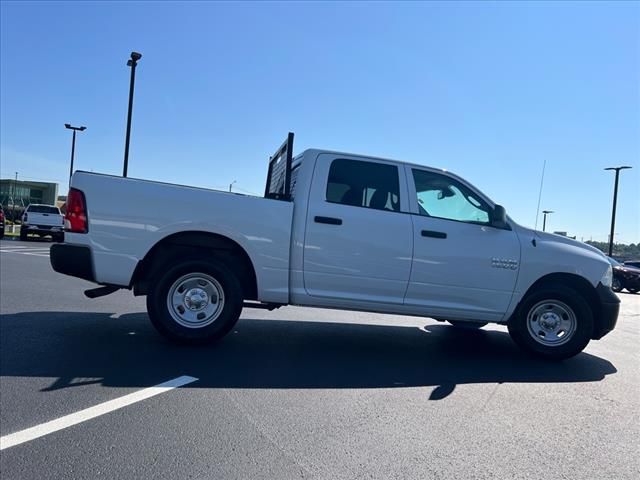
(43, 209)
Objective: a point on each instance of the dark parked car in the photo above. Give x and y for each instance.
(1, 222)
(625, 276)
(632, 263)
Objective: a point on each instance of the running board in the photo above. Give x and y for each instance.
(101, 291)
(265, 306)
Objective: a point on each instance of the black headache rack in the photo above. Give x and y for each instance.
(279, 174)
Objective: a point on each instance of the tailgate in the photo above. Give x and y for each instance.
(45, 219)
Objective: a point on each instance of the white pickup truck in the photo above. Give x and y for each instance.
(335, 230)
(42, 220)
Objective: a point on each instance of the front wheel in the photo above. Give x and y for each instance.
(555, 323)
(616, 284)
(195, 302)
(633, 290)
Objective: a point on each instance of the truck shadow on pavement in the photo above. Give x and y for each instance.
(83, 348)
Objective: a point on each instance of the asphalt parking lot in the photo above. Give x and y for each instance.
(299, 393)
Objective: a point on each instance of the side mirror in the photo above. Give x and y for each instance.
(499, 217)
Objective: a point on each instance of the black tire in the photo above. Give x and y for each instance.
(23, 235)
(162, 317)
(59, 238)
(467, 325)
(538, 301)
(633, 290)
(616, 285)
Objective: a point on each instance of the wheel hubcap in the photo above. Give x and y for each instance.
(551, 322)
(195, 300)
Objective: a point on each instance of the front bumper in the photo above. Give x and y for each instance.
(609, 304)
(73, 260)
(631, 281)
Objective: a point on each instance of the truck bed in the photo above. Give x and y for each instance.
(128, 216)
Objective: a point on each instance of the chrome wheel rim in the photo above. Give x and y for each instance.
(551, 323)
(195, 300)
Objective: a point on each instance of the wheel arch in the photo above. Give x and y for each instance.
(578, 283)
(223, 248)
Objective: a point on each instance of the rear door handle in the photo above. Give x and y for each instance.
(328, 220)
(432, 234)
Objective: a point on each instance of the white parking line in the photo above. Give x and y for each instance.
(37, 251)
(32, 433)
(30, 249)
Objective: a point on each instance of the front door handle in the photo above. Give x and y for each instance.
(433, 234)
(328, 220)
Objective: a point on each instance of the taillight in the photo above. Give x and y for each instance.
(75, 220)
(25, 217)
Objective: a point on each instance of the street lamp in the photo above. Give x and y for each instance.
(544, 219)
(133, 62)
(615, 202)
(73, 145)
(231, 185)
(13, 203)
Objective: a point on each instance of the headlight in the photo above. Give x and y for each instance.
(607, 278)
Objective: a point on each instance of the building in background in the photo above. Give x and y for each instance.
(16, 195)
(61, 203)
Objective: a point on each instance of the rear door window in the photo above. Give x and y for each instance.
(364, 184)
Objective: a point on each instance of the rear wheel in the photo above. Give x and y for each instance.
(23, 235)
(554, 322)
(195, 302)
(466, 324)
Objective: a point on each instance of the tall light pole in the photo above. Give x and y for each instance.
(544, 219)
(73, 145)
(13, 203)
(133, 62)
(615, 202)
(231, 185)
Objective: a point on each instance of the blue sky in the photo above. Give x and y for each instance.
(487, 90)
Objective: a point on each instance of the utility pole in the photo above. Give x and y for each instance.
(73, 146)
(544, 219)
(133, 62)
(615, 202)
(13, 203)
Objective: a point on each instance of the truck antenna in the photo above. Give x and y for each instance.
(544, 165)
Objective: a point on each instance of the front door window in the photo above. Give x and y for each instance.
(443, 197)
